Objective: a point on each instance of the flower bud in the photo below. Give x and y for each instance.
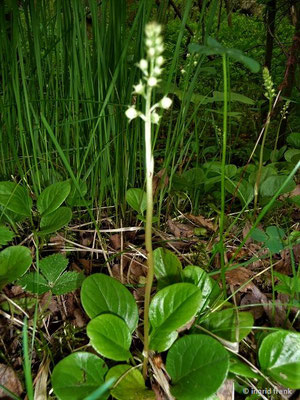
(165, 102)
(131, 113)
(155, 118)
(152, 81)
(143, 64)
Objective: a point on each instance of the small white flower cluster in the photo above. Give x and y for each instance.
(284, 110)
(268, 83)
(151, 69)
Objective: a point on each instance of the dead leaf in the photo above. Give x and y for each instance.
(250, 299)
(80, 319)
(226, 392)
(136, 270)
(115, 241)
(201, 221)
(40, 391)
(181, 230)
(160, 180)
(10, 380)
(238, 277)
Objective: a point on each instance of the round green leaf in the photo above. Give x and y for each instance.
(209, 287)
(137, 199)
(228, 325)
(102, 294)
(78, 375)
(198, 366)
(279, 357)
(52, 197)
(292, 155)
(130, 383)
(55, 221)
(170, 309)
(270, 186)
(15, 198)
(294, 139)
(6, 235)
(167, 267)
(14, 262)
(110, 336)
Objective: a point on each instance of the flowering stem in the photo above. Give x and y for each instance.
(261, 157)
(223, 164)
(148, 230)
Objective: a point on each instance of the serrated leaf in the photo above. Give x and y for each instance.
(209, 287)
(6, 235)
(34, 282)
(52, 197)
(102, 294)
(53, 266)
(68, 282)
(229, 324)
(14, 262)
(15, 198)
(55, 221)
(279, 358)
(130, 383)
(110, 336)
(137, 199)
(167, 267)
(170, 309)
(198, 366)
(77, 376)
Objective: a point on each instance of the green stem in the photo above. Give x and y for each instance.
(223, 164)
(148, 229)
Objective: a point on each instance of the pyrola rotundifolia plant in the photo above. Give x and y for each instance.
(151, 67)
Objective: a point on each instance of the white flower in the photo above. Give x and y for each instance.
(151, 52)
(155, 118)
(160, 61)
(131, 113)
(157, 71)
(152, 81)
(160, 48)
(165, 102)
(139, 88)
(152, 29)
(143, 64)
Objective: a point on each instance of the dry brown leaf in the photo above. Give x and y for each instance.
(80, 319)
(40, 391)
(238, 277)
(160, 180)
(226, 392)
(250, 299)
(10, 380)
(136, 271)
(115, 241)
(181, 230)
(201, 221)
